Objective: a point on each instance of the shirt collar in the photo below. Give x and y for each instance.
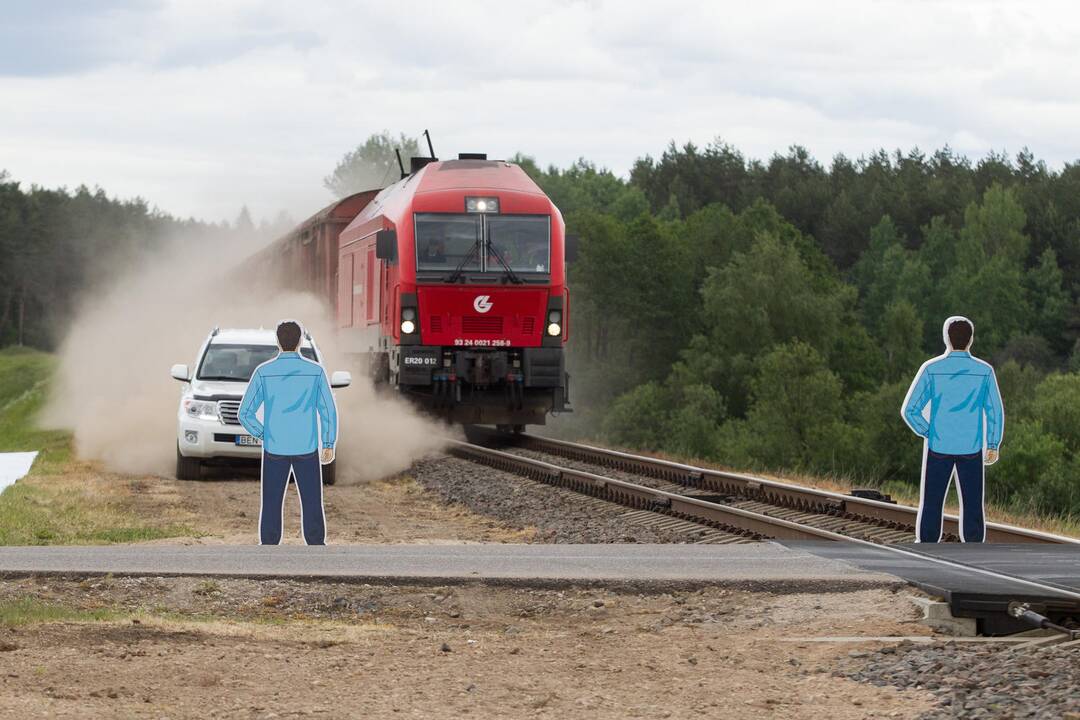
(288, 353)
(959, 353)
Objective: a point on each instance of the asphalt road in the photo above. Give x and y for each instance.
(764, 566)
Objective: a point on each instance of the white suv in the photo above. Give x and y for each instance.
(207, 428)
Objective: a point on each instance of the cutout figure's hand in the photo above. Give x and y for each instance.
(327, 456)
(991, 457)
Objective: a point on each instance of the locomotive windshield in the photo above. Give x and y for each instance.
(483, 243)
(523, 242)
(443, 242)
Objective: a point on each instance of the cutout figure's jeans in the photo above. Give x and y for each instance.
(935, 486)
(307, 473)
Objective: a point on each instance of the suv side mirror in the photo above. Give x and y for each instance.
(340, 379)
(570, 247)
(386, 245)
(180, 372)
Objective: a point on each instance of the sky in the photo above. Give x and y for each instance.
(202, 107)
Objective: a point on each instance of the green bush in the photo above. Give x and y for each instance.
(734, 446)
(1032, 465)
(695, 423)
(1057, 405)
(796, 402)
(890, 450)
(639, 418)
(1017, 384)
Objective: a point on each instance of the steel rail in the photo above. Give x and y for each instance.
(755, 524)
(775, 492)
(642, 496)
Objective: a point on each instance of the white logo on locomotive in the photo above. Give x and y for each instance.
(482, 303)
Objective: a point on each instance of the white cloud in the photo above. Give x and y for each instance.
(201, 107)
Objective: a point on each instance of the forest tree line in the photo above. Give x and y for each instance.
(772, 315)
(57, 246)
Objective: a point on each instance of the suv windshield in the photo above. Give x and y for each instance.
(236, 362)
(444, 242)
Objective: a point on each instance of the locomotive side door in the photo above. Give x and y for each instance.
(358, 290)
(371, 315)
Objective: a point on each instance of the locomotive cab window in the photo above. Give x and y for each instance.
(443, 242)
(522, 241)
(487, 244)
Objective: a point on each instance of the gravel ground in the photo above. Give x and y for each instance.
(557, 514)
(980, 681)
(231, 648)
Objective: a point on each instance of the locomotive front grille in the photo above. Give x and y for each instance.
(436, 323)
(229, 411)
(528, 325)
(482, 325)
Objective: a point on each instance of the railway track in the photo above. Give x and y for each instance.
(738, 506)
(743, 508)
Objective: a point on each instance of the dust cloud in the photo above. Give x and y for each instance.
(113, 387)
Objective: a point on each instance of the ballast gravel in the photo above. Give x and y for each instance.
(987, 681)
(557, 514)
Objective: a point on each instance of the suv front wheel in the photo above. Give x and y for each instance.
(187, 468)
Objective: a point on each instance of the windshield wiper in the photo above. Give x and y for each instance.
(453, 277)
(509, 270)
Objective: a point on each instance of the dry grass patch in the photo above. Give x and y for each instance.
(62, 501)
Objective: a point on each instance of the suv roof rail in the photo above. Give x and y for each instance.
(215, 331)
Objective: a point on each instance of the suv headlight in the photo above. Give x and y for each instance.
(201, 409)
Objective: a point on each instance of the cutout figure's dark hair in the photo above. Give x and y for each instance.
(288, 335)
(960, 332)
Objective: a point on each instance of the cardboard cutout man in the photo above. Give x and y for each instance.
(299, 414)
(962, 433)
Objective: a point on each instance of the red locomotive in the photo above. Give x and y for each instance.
(450, 284)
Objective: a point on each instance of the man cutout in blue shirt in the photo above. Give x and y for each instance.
(963, 432)
(298, 415)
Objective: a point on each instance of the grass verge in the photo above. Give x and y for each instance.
(62, 501)
(29, 610)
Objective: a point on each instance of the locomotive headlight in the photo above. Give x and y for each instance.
(554, 327)
(482, 204)
(408, 320)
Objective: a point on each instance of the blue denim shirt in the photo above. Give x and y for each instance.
(295, 397)
(965, 405)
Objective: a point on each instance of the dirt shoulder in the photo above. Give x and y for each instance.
(225, 509)
(181, 647)
(440, 500)
(79, 503)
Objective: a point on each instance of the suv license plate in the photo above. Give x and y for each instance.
(248, 440)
